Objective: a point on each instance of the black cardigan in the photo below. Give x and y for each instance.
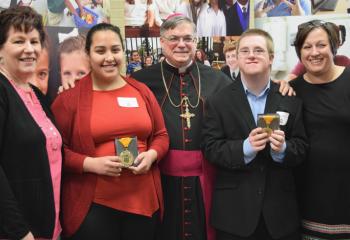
(26, 194)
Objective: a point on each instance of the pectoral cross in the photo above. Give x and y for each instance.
(187, 115)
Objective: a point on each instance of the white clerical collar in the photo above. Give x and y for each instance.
(181, 69)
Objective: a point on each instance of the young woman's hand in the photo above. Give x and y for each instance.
(285, 88)
(144, 161)
(107, 165)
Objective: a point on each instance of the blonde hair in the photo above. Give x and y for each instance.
(71, 44)
(258, 32)
(229, 46)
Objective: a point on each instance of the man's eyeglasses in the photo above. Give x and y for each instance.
(176, 39)
(244, 52)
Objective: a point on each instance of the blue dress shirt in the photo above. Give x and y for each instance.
(257, 106)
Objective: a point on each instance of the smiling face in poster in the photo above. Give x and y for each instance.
(41, 78)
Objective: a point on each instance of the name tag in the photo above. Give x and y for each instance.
(283, 117)
(127, 102)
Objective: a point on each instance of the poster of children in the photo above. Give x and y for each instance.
(71, 13)
(211, 17)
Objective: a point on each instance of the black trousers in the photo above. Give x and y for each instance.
(106, 223)
(261, 233)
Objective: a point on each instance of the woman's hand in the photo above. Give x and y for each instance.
(150, 18)
(108, 165)
(144, 162)
(260, 11)
(296, 9)
(29, 236)
(285, 88)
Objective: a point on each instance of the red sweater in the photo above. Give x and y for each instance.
(129, 192)
(72, 110)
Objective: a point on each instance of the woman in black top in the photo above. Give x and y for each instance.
(324, 179)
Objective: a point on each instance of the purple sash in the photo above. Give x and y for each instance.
(182, 163)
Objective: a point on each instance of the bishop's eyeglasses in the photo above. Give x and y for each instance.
(176, 39)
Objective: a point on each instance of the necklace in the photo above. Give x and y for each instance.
(186, 99)
(187, 115)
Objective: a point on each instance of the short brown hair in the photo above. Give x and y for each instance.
(228, 47)
(71, 44)
(304, 30)
(148, 56)
(21, 18)
(134, 51)
(258, 32)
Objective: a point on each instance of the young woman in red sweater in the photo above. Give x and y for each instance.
(102, 199)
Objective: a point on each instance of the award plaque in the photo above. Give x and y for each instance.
(127, 150)
(269, 122)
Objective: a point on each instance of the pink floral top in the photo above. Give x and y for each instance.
(53, 146)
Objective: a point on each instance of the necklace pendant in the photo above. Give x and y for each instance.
(167, 90)
(187, 115)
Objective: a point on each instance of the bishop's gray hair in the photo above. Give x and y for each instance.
(173, 22)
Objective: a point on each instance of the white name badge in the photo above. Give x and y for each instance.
(283, 118)
(127, 102)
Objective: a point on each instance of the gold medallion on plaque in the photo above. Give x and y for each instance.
(126, 156)
(269, 122)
